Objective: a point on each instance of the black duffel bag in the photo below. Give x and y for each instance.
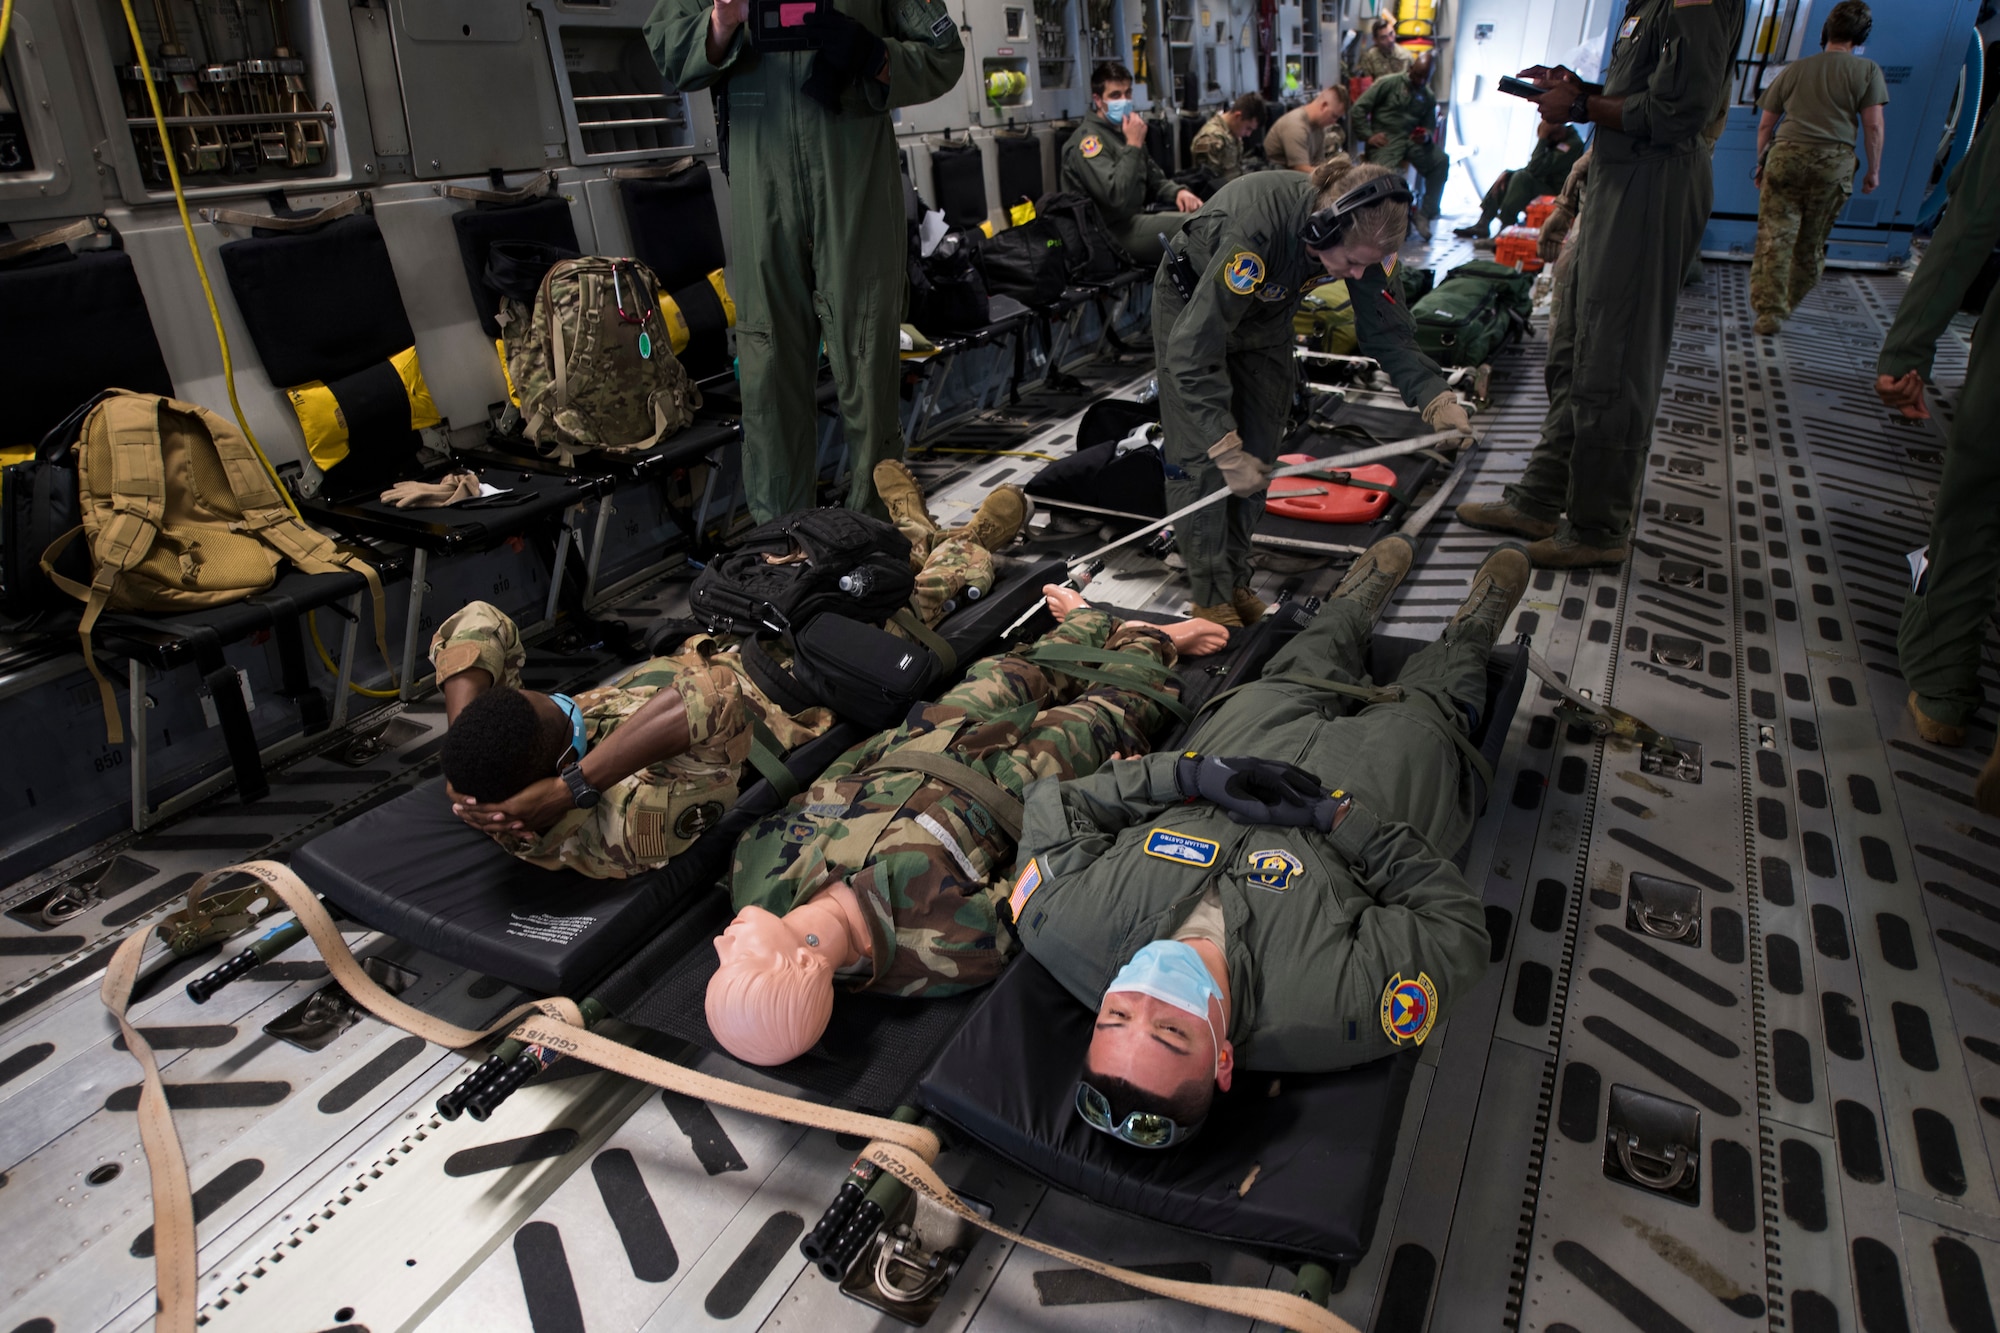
(864, 674)
(947, 295)
(1025, 262)
(787, 571)
(1090, 252)
(38, 503)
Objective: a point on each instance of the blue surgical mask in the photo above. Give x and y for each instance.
(1117, 109)
(579, 744)
(1172, 972)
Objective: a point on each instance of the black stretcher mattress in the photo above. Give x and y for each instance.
(412, 869)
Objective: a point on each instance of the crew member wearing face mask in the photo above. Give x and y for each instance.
(1106, 159)
(1222, 336)
(1220, 907)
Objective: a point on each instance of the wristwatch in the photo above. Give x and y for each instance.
(1579, 110)
(580, 790)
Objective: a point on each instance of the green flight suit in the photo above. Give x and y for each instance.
(1651, 186)
(1341, 946)
(1944, 621)
(1225, 357)
(1394, 106)
(1547, 170)
(817, 241)
(1122, 180)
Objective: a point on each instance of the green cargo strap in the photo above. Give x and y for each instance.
(1072, 659)
(923, 634)
(1003, 805)
(768, 757)
(1371, 695)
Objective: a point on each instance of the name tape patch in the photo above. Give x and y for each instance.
(1181, 848)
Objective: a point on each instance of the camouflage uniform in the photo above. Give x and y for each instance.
(654, 814)
(1217, 148)
(929, 863)
(945, 566)
(1806, 185)
(1375, 63)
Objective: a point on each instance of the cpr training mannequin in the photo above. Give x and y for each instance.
(892, 880)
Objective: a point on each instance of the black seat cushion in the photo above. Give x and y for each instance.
(958, 178)
(166, 639)
(545, 220)
(89, 331)
(1020, 168)
(533, 497)
(319, 305)
(1321, 1146)
(677, 233)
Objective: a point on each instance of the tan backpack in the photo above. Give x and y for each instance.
(180, 513)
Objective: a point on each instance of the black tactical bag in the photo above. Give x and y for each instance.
(791, 569)
(947, 295)
(1090, 253)
(1026, 263)
(38, 504)
(864, 674)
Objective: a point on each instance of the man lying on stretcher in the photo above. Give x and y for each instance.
(1282, 893)
(621, 779)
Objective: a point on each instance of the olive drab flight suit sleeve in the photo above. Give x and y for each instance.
(1197, 353)
(1121, 182)
(926, 54)
(1692, 78)
(1385, 330)
(1364, 112)
(1940, 644)
(1067, 826)
(677, 34)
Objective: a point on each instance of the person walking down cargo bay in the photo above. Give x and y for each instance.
(1106, 159)
(816, 204)
(1805, 177)
(1651, 186)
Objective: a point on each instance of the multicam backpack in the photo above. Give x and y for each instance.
(592, 365)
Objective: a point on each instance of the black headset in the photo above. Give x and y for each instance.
(1325, 227)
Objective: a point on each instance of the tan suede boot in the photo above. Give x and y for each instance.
(1000, 518)
(1934, 731)
(903, 495)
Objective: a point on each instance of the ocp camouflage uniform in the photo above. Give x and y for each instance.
(1375, 63)
(929, 863)
(1396, 107)
(945, 566)
(651, 816)
(1805, 187)
(1217, 148)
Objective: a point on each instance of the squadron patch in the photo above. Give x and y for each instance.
(1275, 291)
(698, 819)
(1244, 273)
(800, 831)
(1091, 145)
(1025, 886)
(1273, 869)
(1182, 848)
(1409, 1009)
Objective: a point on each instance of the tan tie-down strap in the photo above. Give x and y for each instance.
(659, 172)
(540, 184)
(339, 208)
(904, 1150)
(48, 240)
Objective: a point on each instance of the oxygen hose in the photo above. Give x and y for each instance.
(208, 292)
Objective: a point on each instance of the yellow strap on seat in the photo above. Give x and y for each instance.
(903, 1149)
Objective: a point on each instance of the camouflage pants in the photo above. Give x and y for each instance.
(929, 862)
(645, 819)
(1805, 187)
(946, 567)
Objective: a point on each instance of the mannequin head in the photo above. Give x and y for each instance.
(772, 996)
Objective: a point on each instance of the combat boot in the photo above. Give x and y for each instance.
(1001, 516)
(1502, 516)
(1767, 322)
(1422, 224)
(1934, 731)
(1250, 608)
(1569, 553)
(1376, 572)
(1222, 613)
(903, 494)
(1480, 229)
(1496, 590)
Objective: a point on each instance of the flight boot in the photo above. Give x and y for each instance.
(1376, 572)
(1496, 590)
(1934, 731)
(1222, 613)
(1502, 516)
(1250, 608)
(903, 494)
(1569, 553)
(1480, 229)
(1000, 518)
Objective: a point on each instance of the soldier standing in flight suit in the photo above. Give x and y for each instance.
(1106, 160)
(816, 204)
(1397, 120)
(1651, 186)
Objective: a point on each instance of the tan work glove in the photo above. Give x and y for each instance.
(1444, 413)
(437, 494)
(1554, 228)
(1243, 472)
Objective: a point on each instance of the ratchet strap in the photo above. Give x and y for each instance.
(905, 1150)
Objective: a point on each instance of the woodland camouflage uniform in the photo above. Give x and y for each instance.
(653, 815)
(930, 864)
